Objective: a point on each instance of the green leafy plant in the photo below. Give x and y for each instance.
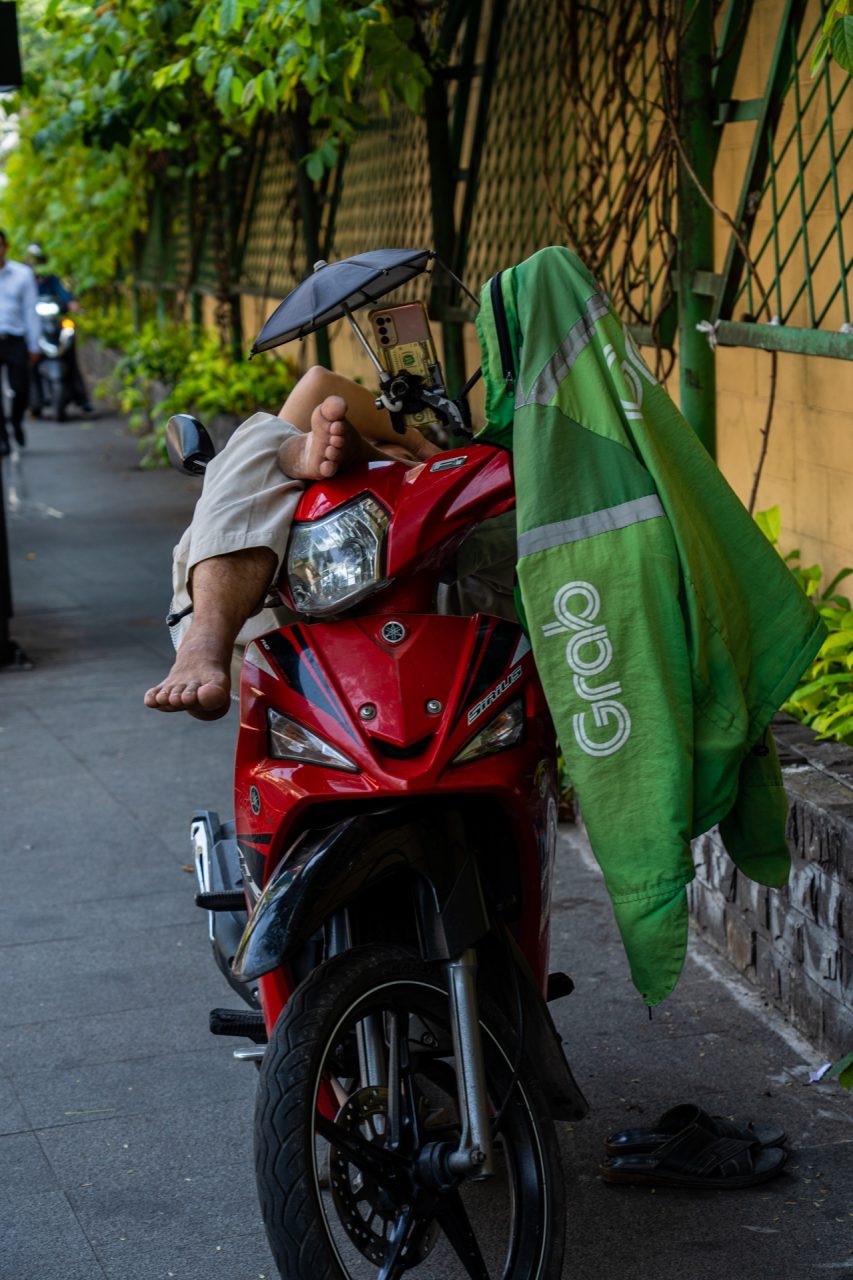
(842, 1071)
(132, 102)
(167, 367)
(110, 322)
(836, 38)
(151, 359)
(824, 697)
(253, 57)
(211, 381)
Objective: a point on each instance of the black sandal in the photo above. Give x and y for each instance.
(639, 1141)
(696, 1160)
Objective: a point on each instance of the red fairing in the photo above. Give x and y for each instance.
(401, 709)
(435, 506)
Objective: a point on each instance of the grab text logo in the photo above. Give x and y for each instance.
(589, 654)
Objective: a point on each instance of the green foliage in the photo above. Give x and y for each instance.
(273, 56)
(212, 381)
(80, 206)
(109, 322)
(836, 38)
(168, 368)
(824, 697)
(123, 95)
(842, 1071)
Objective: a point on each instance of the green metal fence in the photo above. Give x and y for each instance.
(574, 124)
(795, 197)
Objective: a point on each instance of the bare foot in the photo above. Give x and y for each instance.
(199, 682)
(330, 445)
(416, 443)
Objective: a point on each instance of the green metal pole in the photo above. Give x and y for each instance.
(442, 181)
(309, 211)
(697, 379)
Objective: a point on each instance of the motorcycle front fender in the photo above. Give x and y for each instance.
(325, 869)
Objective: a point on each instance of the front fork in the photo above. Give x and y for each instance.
(474, 1157)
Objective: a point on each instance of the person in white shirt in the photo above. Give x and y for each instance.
(19, 337)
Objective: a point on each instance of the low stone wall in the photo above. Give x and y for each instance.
(795, 944)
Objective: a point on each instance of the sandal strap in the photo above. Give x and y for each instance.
(695, 1151)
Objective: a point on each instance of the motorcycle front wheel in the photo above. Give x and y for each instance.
(356, 1113)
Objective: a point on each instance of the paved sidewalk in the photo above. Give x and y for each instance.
(125, 1129)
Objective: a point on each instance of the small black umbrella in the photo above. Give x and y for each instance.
(338, 287)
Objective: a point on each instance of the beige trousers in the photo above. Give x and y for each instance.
(247, 501)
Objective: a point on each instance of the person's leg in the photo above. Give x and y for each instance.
(18, 370)
(341, 424)
(330, 445)
(373, 424)
(226, 590)
(246, 505)
(35, 397)
(79, 394)
(4, 438)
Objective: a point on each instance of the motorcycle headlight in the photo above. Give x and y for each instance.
(291, 741)
(504, 730)
(47, 308)
(334, 562)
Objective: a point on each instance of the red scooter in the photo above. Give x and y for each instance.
(381, 901)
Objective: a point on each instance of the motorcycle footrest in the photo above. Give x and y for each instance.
(238, 1022)
(559, 984)
(221, 900)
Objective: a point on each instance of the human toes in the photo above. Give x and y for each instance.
(213, 698)
(333, 409)
(207, 693)
(158, 698)
(333, 452)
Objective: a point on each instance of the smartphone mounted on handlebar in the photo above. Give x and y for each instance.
(405, 344)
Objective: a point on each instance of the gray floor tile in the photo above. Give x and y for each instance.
(133, 1086)
(13, 1118)
(24, 1170)
(41, 1239)
(180, 1026)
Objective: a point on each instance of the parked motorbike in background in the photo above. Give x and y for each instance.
(52, 385)
(381, 901)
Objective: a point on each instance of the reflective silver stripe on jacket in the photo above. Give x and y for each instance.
(579, 527)
(579, 336)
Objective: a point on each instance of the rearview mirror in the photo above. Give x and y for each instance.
(188, 445)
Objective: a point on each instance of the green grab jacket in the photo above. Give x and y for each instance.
(666, 629)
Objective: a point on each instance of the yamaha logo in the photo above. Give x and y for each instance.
(255, 800)
(393, 632)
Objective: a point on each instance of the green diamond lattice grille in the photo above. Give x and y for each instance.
(576, 150)
(802, 256)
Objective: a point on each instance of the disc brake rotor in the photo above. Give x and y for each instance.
(365, 1211)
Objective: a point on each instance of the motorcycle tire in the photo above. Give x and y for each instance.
(58, 401)
(330, 1212)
